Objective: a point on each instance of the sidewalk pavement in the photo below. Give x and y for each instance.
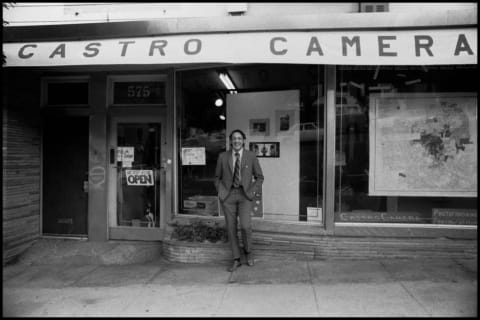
(390, 287)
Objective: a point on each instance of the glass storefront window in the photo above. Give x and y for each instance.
(280, 108)
(406, 145)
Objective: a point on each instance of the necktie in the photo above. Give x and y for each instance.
(236, 171)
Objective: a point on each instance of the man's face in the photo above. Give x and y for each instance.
(237, 141)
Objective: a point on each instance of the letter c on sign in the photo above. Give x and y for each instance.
(22, 55)
(197, 48)
(272, 46)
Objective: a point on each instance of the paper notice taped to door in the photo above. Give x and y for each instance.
(126, 154)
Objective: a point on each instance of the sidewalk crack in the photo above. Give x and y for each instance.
(313, 288)
(404, 288)
(215, 313)
(160, 270)
(73, 284)
(415, 299)
(463, 267)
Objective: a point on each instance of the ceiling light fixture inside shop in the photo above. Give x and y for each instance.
(219, 102)
(227, 81)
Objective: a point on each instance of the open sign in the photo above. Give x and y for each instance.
(139, 177)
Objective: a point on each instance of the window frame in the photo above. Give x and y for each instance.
(45, 81)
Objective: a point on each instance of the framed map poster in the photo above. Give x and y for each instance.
(423, 144)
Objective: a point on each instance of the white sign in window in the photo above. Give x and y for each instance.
(314, 213)
(139, 177)
(126, 154)
(193, 156)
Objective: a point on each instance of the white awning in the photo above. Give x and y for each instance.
(393, 47)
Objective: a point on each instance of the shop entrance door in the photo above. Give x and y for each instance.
(137, 178)
(65, 176)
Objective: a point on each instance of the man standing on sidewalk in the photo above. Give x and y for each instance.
(237, 177)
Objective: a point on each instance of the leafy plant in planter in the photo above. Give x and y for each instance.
(199, 231)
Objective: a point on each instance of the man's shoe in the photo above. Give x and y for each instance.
(249, 259)
(236, 264)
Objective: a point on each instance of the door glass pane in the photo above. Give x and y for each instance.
(138, 174)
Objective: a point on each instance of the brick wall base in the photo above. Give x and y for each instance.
(289, 247)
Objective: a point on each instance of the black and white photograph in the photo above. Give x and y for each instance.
(285, 120)
(259, 127)
(240, 159)
(265, 149)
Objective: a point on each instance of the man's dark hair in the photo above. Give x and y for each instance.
(239, 131)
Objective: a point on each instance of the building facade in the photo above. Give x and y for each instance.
(365, 123)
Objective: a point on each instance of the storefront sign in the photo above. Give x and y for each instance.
(139, 177)
(402, 47)
(380, 217)
(455, 216)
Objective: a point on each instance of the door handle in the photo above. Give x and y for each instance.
(165, 164)
(112, 156)
(85, 186)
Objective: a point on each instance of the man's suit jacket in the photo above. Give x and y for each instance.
(249, 168)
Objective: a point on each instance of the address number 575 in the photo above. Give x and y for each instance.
(138, 91)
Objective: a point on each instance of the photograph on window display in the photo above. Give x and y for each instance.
(423, 144)
(265, 149)
(259, 127)
(285, 120)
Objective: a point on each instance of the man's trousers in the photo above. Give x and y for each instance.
(238, 205)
